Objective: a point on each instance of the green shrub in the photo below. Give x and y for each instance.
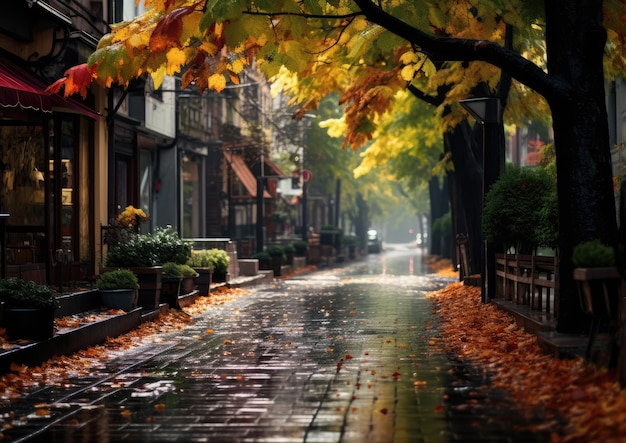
(215, 259)
(274, 250)
(300, 246)
(350, 240)
(593, 254)
(187, 271)
(17, 293)
(443, 226)
(262, 257)
(149, 249)
(170, 247)
(171, 269)
(513, 205)
(289, 249)
(117, 279)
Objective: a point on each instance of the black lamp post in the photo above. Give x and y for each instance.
(487, 112)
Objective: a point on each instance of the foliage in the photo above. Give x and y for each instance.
(275, 250)
(262, 256)
(443, 226)
(301, 247)
(289, 249)
(18, 293)
(149, 249)
(215, 259)
(172, 269)
(512, 207)
(593, 254)
(117, 279)
(350, 240)
(170, 247)
(186, 271)
(547, 229)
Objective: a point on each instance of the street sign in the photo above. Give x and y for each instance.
(306, 175)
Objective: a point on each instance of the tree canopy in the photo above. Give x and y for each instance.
(368, 50)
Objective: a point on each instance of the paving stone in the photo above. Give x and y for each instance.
(343, 355)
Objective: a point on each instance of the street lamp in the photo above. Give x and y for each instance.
(487, 112)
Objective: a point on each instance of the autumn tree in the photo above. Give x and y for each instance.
(331, 44)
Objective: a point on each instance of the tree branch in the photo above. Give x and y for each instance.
(455, 49)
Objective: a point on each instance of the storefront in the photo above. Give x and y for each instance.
(46, 162)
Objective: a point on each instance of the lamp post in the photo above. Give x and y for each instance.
(487, 112)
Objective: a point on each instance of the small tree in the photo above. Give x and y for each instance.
(515, 209)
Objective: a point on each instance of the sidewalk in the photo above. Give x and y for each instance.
(92, 326)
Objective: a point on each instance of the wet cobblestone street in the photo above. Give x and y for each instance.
(342, 355)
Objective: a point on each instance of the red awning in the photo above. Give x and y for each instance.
(22, 90)
(244, 174)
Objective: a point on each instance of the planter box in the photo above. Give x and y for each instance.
(203, 280)
(149, 278)
(599, 290)
(28, 323)
(124, 299)
(170, 290)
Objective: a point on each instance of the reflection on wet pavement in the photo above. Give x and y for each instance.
(341, 355)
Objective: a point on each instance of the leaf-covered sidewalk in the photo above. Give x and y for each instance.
(580, 403)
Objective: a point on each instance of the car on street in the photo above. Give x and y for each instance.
(374, 243)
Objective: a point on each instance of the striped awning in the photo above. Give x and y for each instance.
(244, 174)
(20, 89)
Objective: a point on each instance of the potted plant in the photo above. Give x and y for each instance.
(145, 254)
(351, 241)
(597, 277)
(300, 248)
(170, 284)
(289, 251)
(265, 260)
(220, 262)
(189, 275)
(276, 253)
(118, 289)
(202, 263)
(27, 309)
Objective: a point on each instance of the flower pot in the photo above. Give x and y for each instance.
(204, 280)
(28, 323)
(170, 290)
(277, 264)
(118, 298)
(220, 277)
(149, 279)
(188, 285)
(598, 290)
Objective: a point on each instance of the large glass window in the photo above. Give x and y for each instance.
(23, 165)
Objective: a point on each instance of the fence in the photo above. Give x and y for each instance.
(530, 280)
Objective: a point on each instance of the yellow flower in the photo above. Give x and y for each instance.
(132, 216)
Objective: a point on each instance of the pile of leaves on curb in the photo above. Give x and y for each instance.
(578, 401)
(85, 362)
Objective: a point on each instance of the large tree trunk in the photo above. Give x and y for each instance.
(575, 40)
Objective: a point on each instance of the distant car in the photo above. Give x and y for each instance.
(374, 243)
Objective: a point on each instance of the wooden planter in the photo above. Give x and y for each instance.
(188, 285)
(203, 280)
(598, 290)
(170, 290)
